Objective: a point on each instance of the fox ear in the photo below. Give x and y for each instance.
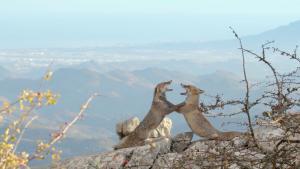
(168, 82)
(155, 90)
(183, 85)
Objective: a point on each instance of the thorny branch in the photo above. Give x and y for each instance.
(279, 102)
(246, 103)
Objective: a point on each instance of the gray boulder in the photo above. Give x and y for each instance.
(181, 141)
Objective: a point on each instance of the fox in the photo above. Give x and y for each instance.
(195, 118)
(160, 107)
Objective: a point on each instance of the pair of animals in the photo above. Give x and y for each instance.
(161, 107)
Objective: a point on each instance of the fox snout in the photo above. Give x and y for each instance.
(163, 87)
(191, 89)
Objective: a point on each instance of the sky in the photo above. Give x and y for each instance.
(79, 23)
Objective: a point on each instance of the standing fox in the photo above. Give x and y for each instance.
(195, 118)
(159, 109)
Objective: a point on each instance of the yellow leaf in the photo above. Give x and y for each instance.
(48, 75)
(6, 104)
(12, 139)
(55, 156)
(21, 105)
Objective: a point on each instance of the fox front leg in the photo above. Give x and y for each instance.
(178, 107)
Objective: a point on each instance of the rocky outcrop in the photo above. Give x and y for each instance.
(137, 157)
(163, 130)
(123, 128)
(181, 152)
(181, 142)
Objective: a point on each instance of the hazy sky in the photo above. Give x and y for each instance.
(66, 23)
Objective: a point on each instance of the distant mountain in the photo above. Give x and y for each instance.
(156, 75)
(92, 65)
(221, 82)
(191, 68)
(285, 36)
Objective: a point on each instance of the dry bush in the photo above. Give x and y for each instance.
(25, 108)
(281, 101)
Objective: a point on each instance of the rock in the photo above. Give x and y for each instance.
(267, 132)
(114, 159)
(268, 136)
(145, 156)
(166, 160)
(181, 152)
(181, 141)
(212, 153)
(163, 130)
(136, 157)
(125, 127)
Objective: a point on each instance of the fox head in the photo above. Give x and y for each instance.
(162, 88)
(191, 90)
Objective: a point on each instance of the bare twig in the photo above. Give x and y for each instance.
(246, 100)
(22, 132)
(63, 132)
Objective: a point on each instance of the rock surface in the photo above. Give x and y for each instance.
(137, 157)
(181, 141)
(163, 130)
(179, 152)
(124, 128)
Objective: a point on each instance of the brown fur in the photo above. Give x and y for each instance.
(159, 109)
(195, 118)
